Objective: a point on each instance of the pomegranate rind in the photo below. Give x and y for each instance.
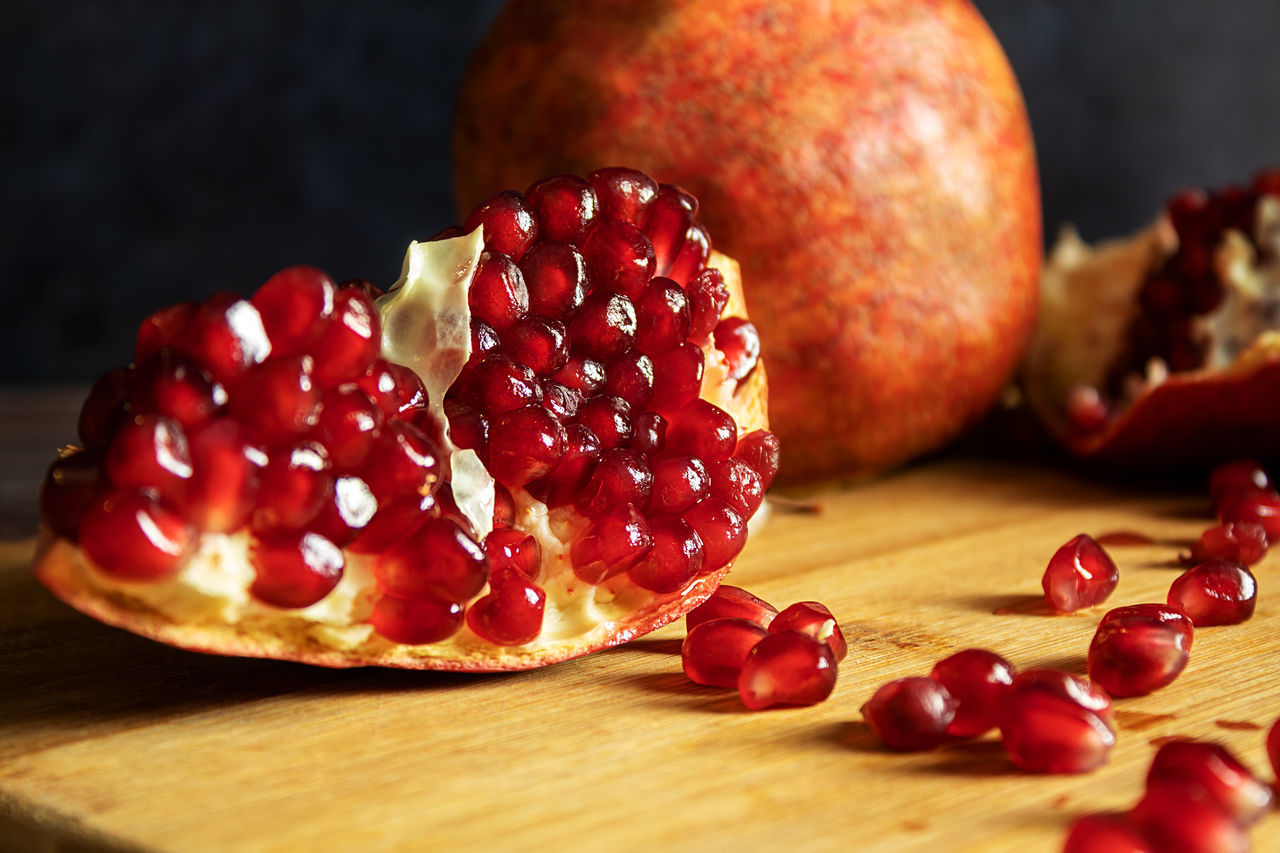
(292, 636)
(1089, 297)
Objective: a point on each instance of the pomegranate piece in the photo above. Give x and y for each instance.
(1139, 649)
(1211, 770)
(1243, 541)
(731, 602)
(714, 651)
(911, 714)
(1105, 833)
(1080, 574)
(294, 569)
(787, 669)
(133, 536)
(814, 620)
(1180, 818)
(1052, 722)
(1219, 592)
(978, 681)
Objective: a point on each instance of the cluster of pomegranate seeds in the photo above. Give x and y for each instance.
(1080, 574)
(1140, 648)
(773, 659)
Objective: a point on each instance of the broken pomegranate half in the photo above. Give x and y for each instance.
(532, 446)
(1164, 348)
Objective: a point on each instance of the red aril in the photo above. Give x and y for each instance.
(978, 681)
(1052, 722)
(1241, 475)
(1211, 770)
(911, 713)
(1105, 833)
(713, 652)
(134, 537)
(787, 669)
(73, 483)
(1273, 748)
(1080, 574)
(731, 602)
(1219, 592)
(511, 613)
(294, 569)
(1260, 507)
(814, 620)
(1243, 541)
(1181, 819)
(1140, 648)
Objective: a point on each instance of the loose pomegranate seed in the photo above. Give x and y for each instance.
(910, 713)
(149, 452)
(162, 329)
(612, 544)
(692, 255)
(171, 385)
(609, 418)
(511, 614)
(1242, 541)
(513, 549)
(1273, 748)
(677, 378)
(604, 326)
(722, 530)
(350, 342)
(403, 462)
(133, 536)
(437, 559)
(525, 445)
(675, 558)
(708, 296)
(1180, 819)
(565, 207)
(294, 568)
(295, 305)
(539, 344)
(679, 481)
(978, 680)
(740, 342)
(1105, 833)
(670, 216)
(1219, 592)
(72, 485)
(498, 295)
(1259, 507)
(416, 621)
(1080, 574)
(620, 477)
(278, 398)
(106, 408)
(731, 602)
(705, 430)
(619, 258)
(226, 467)
(225, 336)
(556, 277)
(664, 317)
(509, 224)
(1211, 769)
(713, 652)
(1139, 649)
(1242, 475)
(1051, 722)
(787, 669)
(815, 620)
(736, 483)
(293, 487)
(624, 194)
(347, 425)
(650, 432)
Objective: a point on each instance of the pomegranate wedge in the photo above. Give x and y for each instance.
(543, 440)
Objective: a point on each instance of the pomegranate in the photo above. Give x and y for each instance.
(529, 448)
(1140, 648)
(897, 293)
(1162, 348)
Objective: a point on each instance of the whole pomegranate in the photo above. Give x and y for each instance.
(869, 163)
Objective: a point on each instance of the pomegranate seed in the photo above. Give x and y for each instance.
(1051, 722)
(679, 481)
(416, 621)
(650, 432)
(722, 530)
(539, 344)
(438, 559)
(664, 317)
(604, 326)
(713, 652)
(740, 342)
(565, 207)
(525, 445)
(624, 194)
(609, 418)
(675, 558)
(294, 568)
(620, 477)
(1179, 819)
(736, 483)
(278, 398)
(560, 400)
(1260, 507)
(226, 337)
(1242, 541)
(511, 613)
(105, 408)
(364, 527)
(467, 428)
(394, 388)
(1139, 649)
(677, 378)
(582, 374)
(703, 429)
(761, 450)
(133, 536)
(731, 602)
(171, 385)
(515, 550)
(555, 275)
(670, 216)
(349, 343)
(1080, 574)
(347, 425)
(815, 620)
(149, 451)
(72, 485)
(708, 296)
(403, 462)
(619, 258)
(1273, 748)
(978, 680)
(293, 487)
(692, 256)
(569, 479)
(504, 508)
(162, 329)
(612, 544)
(1242, 475)
(1102, 833)
(631, 378)
(1211, 769)
(498, 296)
(226, 466)
(295, 305)
(509, 224)
(1219, 592)
(787, 669)
(500, 384)
(910, 714)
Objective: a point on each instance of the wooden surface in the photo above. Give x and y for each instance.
(107, 740)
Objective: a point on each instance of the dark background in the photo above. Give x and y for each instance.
(152, 151)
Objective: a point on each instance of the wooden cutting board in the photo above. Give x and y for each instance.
(110, 740)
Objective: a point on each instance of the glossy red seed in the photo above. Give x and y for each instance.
(508, 548)
(978, 680)
(619, 258)
(500, 384)
(1211, 769)
(570, 475)
(295, 305)
(105, 408)
(555, 275)
(403, 462)
(511, 613)
(132, 536)
(1260, 507)
(1105, 833)
(1242, 475)
(560, 400)
(620, 477)
(149, 452)
(362, 525)
(604, 326)
(226, 337)
(670, 216)
(736, 483)
(1273, 748)
(675, 558)
(416, 621)
(703, 429)
(438, 559)
(624, 194)
(162, 329)
(650, 432)
(731, 602)
(663, 323)
(713, 652)
(468, 428)
(278, 399)
(72, 484)
(609, 418)
(525, 445)
(582, 374)
(226, 466)
(347, 425)
(815, 620)
(498, 295)
(910, 714)
(692, 256)
(677, 379)
(509, 225)
(679, 481)
(565, 207)
(294, 568)
(540, 344)
(1139, 649)
(631, 378)
(293, 487)
(394, 388)
(612, 544)
(739, 341)
(504, 508)
(722, 530)
(1080, 574)
(1218, 592)
(787, 669)
(1051, 722)
(1242, 541)
(708, 296)
(762, 451)
(175, 386)
(349, 344)
(1179, 819)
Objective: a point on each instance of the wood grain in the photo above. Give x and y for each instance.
(110, 740)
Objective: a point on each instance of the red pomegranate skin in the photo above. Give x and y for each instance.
(869, 163)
